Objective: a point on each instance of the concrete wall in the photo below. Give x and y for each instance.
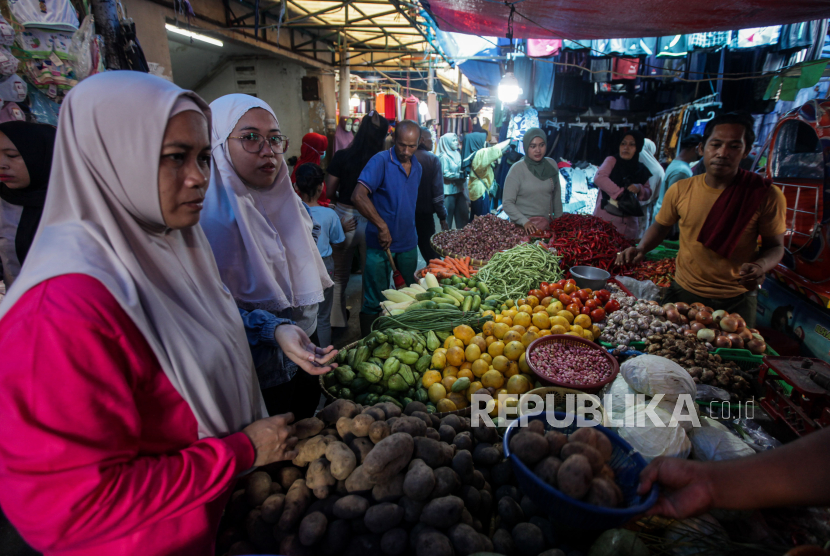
(149, 24)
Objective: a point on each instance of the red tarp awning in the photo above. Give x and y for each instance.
(618, 19)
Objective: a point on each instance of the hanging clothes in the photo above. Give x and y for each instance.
(411, 110)
(390, 107)
(520, 123)
(343, 136)
(676, 45)
(710, 40)
(541, 48)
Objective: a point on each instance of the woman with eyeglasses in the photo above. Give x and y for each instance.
(261, 236)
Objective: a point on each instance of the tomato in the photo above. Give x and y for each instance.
(578, 301)
(538, 294)
(592, 304)
(583, 294)
(571, 281)
(574, 309)
(556, 287)
(562, 283)
(544, 285)
(570, 288)
(603, 295)
(612, 305)
(565, 299)
(598, 315)
(585, 311)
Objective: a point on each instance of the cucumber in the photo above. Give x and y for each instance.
(476, 302)
(422, 305)
(447, 299)
(425, 296)
(437, 291)
(454, 293)
(468, 304)
(448, 306)
(482, 287)
(457, 280)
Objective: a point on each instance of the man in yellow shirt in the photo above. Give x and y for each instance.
(721, 214)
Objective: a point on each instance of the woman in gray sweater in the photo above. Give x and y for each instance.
(531, 189)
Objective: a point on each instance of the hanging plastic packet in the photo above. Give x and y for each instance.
(80, 51)
(13, 89)
(8, 63)
(6, 32)
(43, 108)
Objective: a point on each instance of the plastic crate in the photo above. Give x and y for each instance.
(668, 244)
(660, 254)
(745, 359)
(575, 514)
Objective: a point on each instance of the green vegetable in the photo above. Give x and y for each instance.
(351, 357)
(376, 361)
(476, 302)
(397, 383)
(448, 307)
(406, 401)
(362, 356)
(421, 305)
(380, 337)
(370, 372)
(375, 389)
(345, 394)
(391, 366)
(431, 408)
(406, 373)
(408, 357)
(372, 399)
(461, 384)
(383, 350)
(341, 356)
(446, 300)
(423, 362)
(482, 287)
(390, 399)
(334, 391)
(433, 342)
(443, 335)
(345, 374)
(468, 304)
(418, 348)
(361, 398)
(359, 384)
(421, 395)
(425, 296)
(456, 280)
(437, 320)
(514, 272)
(401, 339)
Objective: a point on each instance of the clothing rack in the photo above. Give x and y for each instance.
(710, 100)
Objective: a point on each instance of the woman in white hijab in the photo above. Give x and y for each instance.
(261, 236)
(647, 157)
(129, 399)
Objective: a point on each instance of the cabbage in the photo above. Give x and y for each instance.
(652, 375)
(669, 408)
(617, 391)
(653, 441)
(714, 444)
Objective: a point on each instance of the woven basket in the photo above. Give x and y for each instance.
(326, 393)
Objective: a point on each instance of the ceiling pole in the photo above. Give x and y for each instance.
(345, 75)
(460, 75)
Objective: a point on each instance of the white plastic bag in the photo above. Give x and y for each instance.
(80, 51)
(652, 375)
(651, 440)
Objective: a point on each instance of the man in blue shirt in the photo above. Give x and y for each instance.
(680, 168)
(386, 196)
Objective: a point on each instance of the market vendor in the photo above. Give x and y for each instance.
(721, 214)
(532, 195)
(129, 400)
(455, 189)
(392, 178)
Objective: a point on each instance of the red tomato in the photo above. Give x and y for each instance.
(548, 289)
(598, 315)
(570, 288)
(585, 311)
(603, 295)
(578, 301)
(612, 305)
(562, 282)
(574, 309)
(538, 294)
(556, 287)
(583, 294)
(565, 299)
(592, 304)
(544, 285)
(572, 281)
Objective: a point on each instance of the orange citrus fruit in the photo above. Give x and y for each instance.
(533, 329)
(474, 387)
(525, 309)
(500, 363)
(511, 336)
(480, 342)
(583, 320)
(541, 320)
(436, 392)
(532, 300)
(522, 319)
(464, 333)
(479, 367)
(444, 405)
(490, 340)
(496, 348)
(558, 329)
(529, 337)
(486, 358)
(430, 378)
(512, 369)
(518, 384)
(459, 399)
(523, 366)
(500, 330)
(465, 373)
(448, 381)
(450, 371)
(514, 350)
(487, 328)
(567, 315)
(455, 356)
(472, 352)
(508, 321)
(492, 379)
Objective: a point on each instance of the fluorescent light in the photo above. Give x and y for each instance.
(190, 34)
(509, 89)
(354, 102)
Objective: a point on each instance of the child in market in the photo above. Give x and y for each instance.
(327, 231)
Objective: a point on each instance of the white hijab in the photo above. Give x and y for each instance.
(261, 238)
(103, 219)
(657, 172)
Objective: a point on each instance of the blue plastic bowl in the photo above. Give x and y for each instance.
(569, 512)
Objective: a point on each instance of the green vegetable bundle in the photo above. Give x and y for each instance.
(515, 272)
(424, 320)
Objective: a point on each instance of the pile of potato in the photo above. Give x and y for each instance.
(575, 464)
(376, 480)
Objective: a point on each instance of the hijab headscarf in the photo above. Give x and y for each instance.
(627, 172)
(342, 138)
(103, 218)
(35, 142)
(261, 238)
(653, 166)
(312, 150)
(473, 142)
(477, 127)
(450, 158)
(542, 170)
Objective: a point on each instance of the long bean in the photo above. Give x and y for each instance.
(514, 272)
(424, 320)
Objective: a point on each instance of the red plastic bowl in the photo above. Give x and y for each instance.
(568, 339)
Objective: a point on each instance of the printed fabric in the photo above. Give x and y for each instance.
(45, 14)
(520, 123)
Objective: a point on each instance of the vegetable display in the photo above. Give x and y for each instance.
(481, 238)
(425, 320)
(660, 272)
(513, 272)
(456, 294)
(586, 240)
(596, 304)
(571, 363)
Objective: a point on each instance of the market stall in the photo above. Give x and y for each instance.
(418, 451)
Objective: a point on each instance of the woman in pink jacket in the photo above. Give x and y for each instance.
(127, 390)
(618, 174)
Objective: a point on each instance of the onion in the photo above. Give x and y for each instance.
(684, 319)
(672, 315)
(757, 347)
(723, 342)
(758, 337)
(706, 335)
(689, 332)
(709, 309)
(697, 326)
(754, 330)
(669, 307)
(651, 302)
(692, 313)
(682, 308)
(697, 305)
(718, 315)
(729, 324)
(745, 334)
(737, 341)
(740, 319)
(704, 317)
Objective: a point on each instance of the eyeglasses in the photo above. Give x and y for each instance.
(252, 142)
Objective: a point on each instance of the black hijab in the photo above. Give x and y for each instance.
(473, 142)
(627, 172)
(36, 143)
(477, 126)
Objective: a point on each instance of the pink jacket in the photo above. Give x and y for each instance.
(626, 225)
(99, 454)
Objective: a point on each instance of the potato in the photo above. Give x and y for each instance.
(453, 421)
(258, 489)
(436, 422)
(306, 428)
(311, 449)
(485, 454)
(290, 546)
(502, 473)
(537, 426)
(362, 545)
(433, 543)
(466, 423)
(472, 498)
(344, 426)
(389, 457)
(358, 481)
(417, 530)
(288, 475)
(272, 508)
(423, 416)
(508, 490)
(462, 463)
(586, 435)
(465, 539)
(593, 455)
(390, 409)
(383, 517)
(351, 507)
(360, 425)
(375, 412)
(503, 542)
(361, 448)
(546, 527)
(240, 548)
(602, 493)
(466, 517)
(446, 482)
(394, 541)
(389, 491)
(409, 425)
(258, 531)
(329, 431)
(478, 478)
(547, 470)
(485, 434)
(297, 500)
(447, 433)
(337, 536)
(343, 460)
(378, 431)
(412, 508)
(412, 407)
(237, 507)
(575, 476)
(528, 539)
(603, 444)
(433, 434)
(462, 441)
(529, 507)
(510, 512)
(486, 504)
(419, 481)
(529, 447)
(607, 473)
(319, 478)
(359, 527)
(337, 409)
(312, 528)
(434, 453)
(391, 421)
(442, 512)
(555, 442)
